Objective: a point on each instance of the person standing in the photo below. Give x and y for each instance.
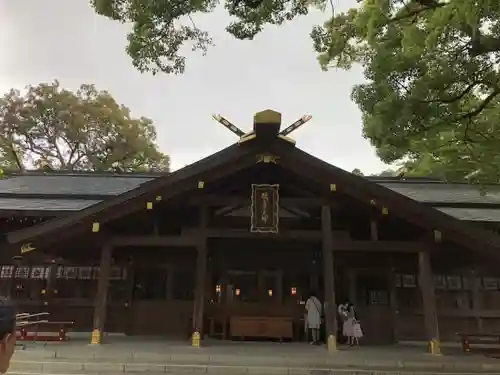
(7, 333)
(357, 332)
(314, 311)
(348, 327)
(342, 317)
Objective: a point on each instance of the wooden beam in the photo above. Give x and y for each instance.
(189, 238)
(378, 246)
(154, 241)
(426, 282)
(373, 230)
(201, 279)
(306, 235)
(219, 200)
(101, 301)
(329, 279)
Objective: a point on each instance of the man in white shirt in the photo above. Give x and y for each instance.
(314, 312)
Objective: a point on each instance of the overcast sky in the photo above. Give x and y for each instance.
(42, 40)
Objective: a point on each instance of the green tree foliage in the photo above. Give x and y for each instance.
(432, 94)
(386, 173)
(357, 172)
(162, 27)
(53, 128)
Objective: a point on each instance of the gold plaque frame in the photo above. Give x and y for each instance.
(265, 208)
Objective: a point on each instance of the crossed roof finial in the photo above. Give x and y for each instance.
(268, 117)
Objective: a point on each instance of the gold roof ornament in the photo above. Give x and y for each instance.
(27, 247)
(268, 122)
(267, 158)
(267, 116)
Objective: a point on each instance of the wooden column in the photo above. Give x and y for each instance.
(477, 298)
(101, 301)
(279, 288)
(50, 286)
(429, 302)
(352, 278)
(393, 299)
(329, 279)
(201, 277)
(373, 230)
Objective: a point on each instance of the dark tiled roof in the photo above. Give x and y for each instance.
(38, 204)
(473, 214)
(83, 184)
(71, 184)
(432, 192)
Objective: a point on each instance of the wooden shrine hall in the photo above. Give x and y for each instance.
(232, 245)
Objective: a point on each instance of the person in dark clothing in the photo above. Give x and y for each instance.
(7, 333)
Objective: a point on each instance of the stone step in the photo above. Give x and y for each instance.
(365, 367)
(227, 371)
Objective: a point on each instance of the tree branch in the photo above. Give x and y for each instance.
(425, 6)
(456, 97)
(482, 106)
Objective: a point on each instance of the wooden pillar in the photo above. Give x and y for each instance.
(279, 287)
(170, 282)
(373, 230)
(329, 279)
(429, 302)
(101, 301)
(261, 287)
(50, 287)
(393, 299)
(477, 298)
(201, 277)
(129, 287)
(352, 278)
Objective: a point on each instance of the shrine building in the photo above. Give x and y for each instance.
(231, 246)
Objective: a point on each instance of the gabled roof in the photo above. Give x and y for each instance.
(60, 193)
(460, 232)
(239, 156)
(222, 163)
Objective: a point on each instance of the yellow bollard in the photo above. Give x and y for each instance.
(435, 347)
(196, 339)
(96, 337)
(331, 343)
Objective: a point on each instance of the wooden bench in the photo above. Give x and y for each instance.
(265, 327)
(466, 339)
(44, 330)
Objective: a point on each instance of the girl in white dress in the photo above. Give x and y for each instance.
(348, 327)
(357, 332)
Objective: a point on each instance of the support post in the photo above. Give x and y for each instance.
(50, 286)
(393, 298)
(373, 230)
(429, 302)
(201, 277)
(101, 301)
(329, 279)
(477, 298)
(352, 277)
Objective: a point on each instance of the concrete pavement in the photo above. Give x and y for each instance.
(136, 356)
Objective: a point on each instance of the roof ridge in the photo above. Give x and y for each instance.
(38, 173)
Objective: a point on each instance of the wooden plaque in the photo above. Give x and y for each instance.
(265, 208)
